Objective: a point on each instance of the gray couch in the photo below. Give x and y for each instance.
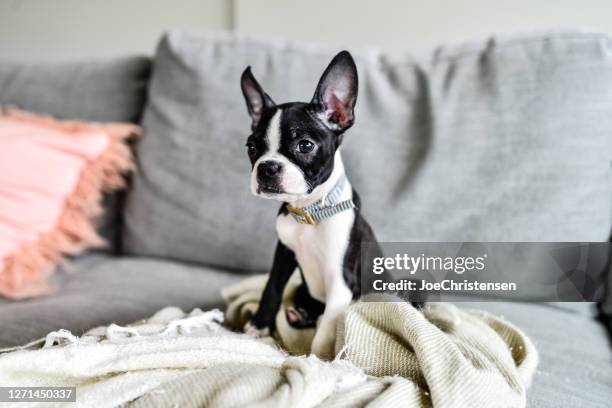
(507, 139)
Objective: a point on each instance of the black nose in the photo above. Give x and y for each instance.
(268, 170)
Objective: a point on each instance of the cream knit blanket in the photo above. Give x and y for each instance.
(391, 355)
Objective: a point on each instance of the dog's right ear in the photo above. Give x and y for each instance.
(256, 99)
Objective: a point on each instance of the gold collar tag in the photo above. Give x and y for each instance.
(303, 217)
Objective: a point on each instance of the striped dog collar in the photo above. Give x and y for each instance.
(326, 207)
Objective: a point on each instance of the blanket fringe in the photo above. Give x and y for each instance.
(211, 320)
(60, 337)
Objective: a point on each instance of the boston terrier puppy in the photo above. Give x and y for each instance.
(295, 158)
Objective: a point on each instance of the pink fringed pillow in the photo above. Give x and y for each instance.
(52, 176)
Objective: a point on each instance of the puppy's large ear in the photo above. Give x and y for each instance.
(256, 99)
(336, 93)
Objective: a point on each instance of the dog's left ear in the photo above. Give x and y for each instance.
(336, 93)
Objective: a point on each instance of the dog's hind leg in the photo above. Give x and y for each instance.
(305, 310)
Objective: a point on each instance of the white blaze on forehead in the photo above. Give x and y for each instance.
(273, 133)
(292, 181)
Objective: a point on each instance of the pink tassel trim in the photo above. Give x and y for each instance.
(26, 272)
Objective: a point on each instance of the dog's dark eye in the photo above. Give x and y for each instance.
(305, 146)
(250, 147)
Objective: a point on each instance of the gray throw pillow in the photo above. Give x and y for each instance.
(507, 139)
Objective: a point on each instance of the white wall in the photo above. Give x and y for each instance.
(55, 30)
(75, 29)
(414, 23)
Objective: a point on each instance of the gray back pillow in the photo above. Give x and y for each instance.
(504, 140)
(102, 91)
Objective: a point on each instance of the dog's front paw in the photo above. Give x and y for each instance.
(323, 345)
(251, 330)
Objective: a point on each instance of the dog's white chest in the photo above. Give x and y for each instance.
(320, 249)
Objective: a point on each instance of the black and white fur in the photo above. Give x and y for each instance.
(294, 151)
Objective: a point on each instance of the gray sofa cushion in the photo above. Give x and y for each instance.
(100, 289)
(502, 140)
(100, 91)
